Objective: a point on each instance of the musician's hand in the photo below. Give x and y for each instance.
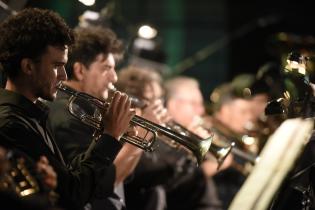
(132, 131)
(48, 173)
(209, 167)
(197, 128)
(155, 112)
(118, 115)
(227, 162)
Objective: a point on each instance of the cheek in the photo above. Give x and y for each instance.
(106, 77)
(187, 109)
(50, 74)
(55, 72)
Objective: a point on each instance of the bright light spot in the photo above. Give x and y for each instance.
(87, 2)
(147, 32)
(257, 159)
(302, 70)
(248, 140)
(300, 67)
(144, 44)
(286, 94)
(87, 17)
(91, 15)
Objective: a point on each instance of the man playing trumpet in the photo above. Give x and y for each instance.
(91, 70)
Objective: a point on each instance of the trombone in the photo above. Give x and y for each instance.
(89, 109)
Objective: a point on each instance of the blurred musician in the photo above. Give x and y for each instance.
(238, 116)
(167, 171)
(185, 105)
(231, 114)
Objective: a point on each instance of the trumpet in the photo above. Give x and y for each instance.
(244, 159)
(220, 153)
(89, 109)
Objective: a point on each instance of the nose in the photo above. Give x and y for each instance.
(114, 77)
(62, 74)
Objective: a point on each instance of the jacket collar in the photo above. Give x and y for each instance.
(36, 110)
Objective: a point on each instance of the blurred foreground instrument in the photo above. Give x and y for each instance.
(276, 160)
(20, 177)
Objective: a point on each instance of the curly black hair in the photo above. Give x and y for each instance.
(89, 43)
(27, 35)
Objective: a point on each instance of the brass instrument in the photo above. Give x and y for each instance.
(20, 177)
(220, 153)
(226, 136)
(89, 109)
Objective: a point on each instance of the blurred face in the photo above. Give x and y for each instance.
(236, 114)
(48, 72)
(99, 76)
(259, 103)
(152, 91)
(186, 105)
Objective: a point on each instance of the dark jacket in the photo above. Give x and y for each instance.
(168, 171)
(74, 137)
(25, 124)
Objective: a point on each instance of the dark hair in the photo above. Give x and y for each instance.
(89, 43)
(28, 34)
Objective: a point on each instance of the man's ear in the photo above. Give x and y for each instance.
(78, 71)
(27, 66)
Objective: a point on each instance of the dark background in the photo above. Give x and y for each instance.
(232, 37)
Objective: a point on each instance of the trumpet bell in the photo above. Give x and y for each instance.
(203, 148)
(205, 145)
(220, 153)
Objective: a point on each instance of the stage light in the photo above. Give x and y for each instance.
(87, 17)
(87, 2)
(147, 32)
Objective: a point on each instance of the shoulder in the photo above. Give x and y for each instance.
(59, 113)
(12, 116)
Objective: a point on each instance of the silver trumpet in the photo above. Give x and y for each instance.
(89, 109)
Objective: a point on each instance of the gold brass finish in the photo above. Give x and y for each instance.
(92, 116)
